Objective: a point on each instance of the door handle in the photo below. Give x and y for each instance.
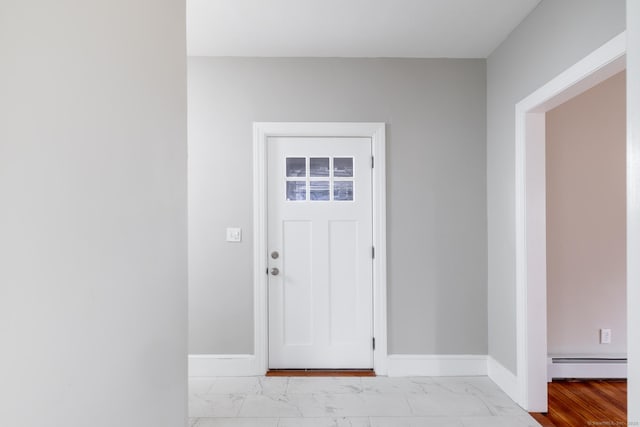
(275, 271)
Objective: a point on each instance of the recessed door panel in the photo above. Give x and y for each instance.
(297, 290)
(343, 275)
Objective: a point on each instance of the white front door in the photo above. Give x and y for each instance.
(320, 241)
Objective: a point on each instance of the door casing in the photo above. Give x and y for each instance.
(262, 131)
(530, 387)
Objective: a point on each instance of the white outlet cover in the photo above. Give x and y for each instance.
(234, 234)
(605, 336)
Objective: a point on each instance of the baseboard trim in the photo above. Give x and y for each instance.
(399, 365)
(585, 368)
(504, 378)
(223, 365)
(405, 365)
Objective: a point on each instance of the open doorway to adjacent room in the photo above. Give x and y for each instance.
(535, 268)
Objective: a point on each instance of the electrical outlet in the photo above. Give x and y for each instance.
(605, 336)
(234, 234)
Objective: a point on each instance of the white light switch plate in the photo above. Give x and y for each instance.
(234, 234)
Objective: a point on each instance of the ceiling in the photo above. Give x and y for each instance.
(352, 28)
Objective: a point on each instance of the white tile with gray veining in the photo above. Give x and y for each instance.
(200, 385)
(324, 385)
(354, 405)
(275, 406)
(523, 420)
(386, 385)
(236, 422)
(416, 422)
(325, 422)
(351, 401)
(215, 405)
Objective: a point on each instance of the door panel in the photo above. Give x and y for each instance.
(297, 295)
(320, 224)
(343, 270)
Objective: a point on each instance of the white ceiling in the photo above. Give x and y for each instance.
(352, 28)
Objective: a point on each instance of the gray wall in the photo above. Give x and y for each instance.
(554, 36)
(586, 221)
(93, 219)
(435, 115)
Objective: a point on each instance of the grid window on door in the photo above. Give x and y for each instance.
(319, 179)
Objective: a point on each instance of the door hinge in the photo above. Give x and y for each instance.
(373, 342)
(371, 162)
(373, 252)
(267, 271)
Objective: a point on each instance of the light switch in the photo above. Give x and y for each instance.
(234, 234)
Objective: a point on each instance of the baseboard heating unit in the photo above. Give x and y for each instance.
(586, 367)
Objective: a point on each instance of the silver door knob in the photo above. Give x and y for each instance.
(275, 254)
(275, 271)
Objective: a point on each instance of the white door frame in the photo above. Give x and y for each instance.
(530, 212)
(262, 131)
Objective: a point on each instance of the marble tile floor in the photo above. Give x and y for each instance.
(352, 401)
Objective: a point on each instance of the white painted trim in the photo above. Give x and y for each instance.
(530, 216)
(428, 365)
(504, 378)
(633, 211)
(260, 313)
(586, 370)
(261, 133)
(222, 365)
(378, 138)
(531, 269)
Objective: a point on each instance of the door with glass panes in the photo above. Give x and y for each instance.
(320, 253)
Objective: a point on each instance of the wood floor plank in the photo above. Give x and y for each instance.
(585, 403)
(542, 419)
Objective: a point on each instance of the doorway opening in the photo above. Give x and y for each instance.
(531, 270)
(267, 133)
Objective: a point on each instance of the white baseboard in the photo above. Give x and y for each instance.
(504, 378)
(399, 365)
(586, 369)
(223, 365)
(405, 365)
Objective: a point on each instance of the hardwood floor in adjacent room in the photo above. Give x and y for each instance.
(586, 403)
